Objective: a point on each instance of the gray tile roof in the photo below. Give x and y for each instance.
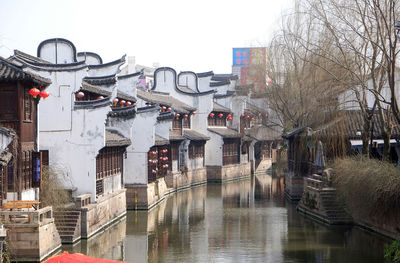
(194, 135)
(160, 141)
(225, 132)
(12, 72)
(219, 108)
(91, 88)
(165, 99)
(114, 138)
(263, 133)
(175, 137)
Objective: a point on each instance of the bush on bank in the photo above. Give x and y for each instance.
(392, 252)
(371, 191)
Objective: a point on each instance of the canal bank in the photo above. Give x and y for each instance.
(242, 221)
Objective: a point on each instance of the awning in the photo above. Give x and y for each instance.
(360, 143)
(65, 257)
(195, 136)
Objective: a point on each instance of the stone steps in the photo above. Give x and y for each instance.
(68, 225)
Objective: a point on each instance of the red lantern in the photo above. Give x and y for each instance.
(229, 118)
(212, 115)
(154, 171)
(100, 97)
(161, 158)
(34, 92)
(122, 102)
(165, 151)
(80, 95)
(169, 109)
(150, 162)
(115, 101)
(193, 113)
(247, 117)
(177, 115)
(44, 94)
(220, 115)
(252, 119)
(165, 159)
(128, 103)
(185, 116)
(163, 108)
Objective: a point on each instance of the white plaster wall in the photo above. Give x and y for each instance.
(73, 153)
(55, 111)
(63, 51)
(189, 80)
(213, 149)
(5, 140)
(142, 134)
(195, 163)
(221, 90)
(163, 128)
(204, 84)
(90, 60)
(128, 85)
(175, 166)
(238, 105)
(105, 70)
(26, 195)
(112, 183)
(232, 86)
(204, 105)
(348, 99)
(165, 80)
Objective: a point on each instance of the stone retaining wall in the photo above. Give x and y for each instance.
(107, 209)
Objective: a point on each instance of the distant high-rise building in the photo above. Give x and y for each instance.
(249, 64)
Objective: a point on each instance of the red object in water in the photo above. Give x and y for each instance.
(80, 95)
(212, 115)
(65, 257)
(44, 94)
(34, 92)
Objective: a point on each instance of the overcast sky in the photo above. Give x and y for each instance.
(183, 34)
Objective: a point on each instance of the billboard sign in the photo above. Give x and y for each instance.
(250, 65)
(241, 56)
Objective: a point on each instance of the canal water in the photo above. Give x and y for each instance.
(244, 221)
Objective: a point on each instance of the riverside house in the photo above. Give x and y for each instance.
(73, 131)
(21, 164)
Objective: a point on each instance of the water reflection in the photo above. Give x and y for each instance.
(108, 244)
(245, 221)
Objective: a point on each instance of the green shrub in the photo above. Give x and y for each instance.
(392, 252)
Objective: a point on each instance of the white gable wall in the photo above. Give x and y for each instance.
(142, 135)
